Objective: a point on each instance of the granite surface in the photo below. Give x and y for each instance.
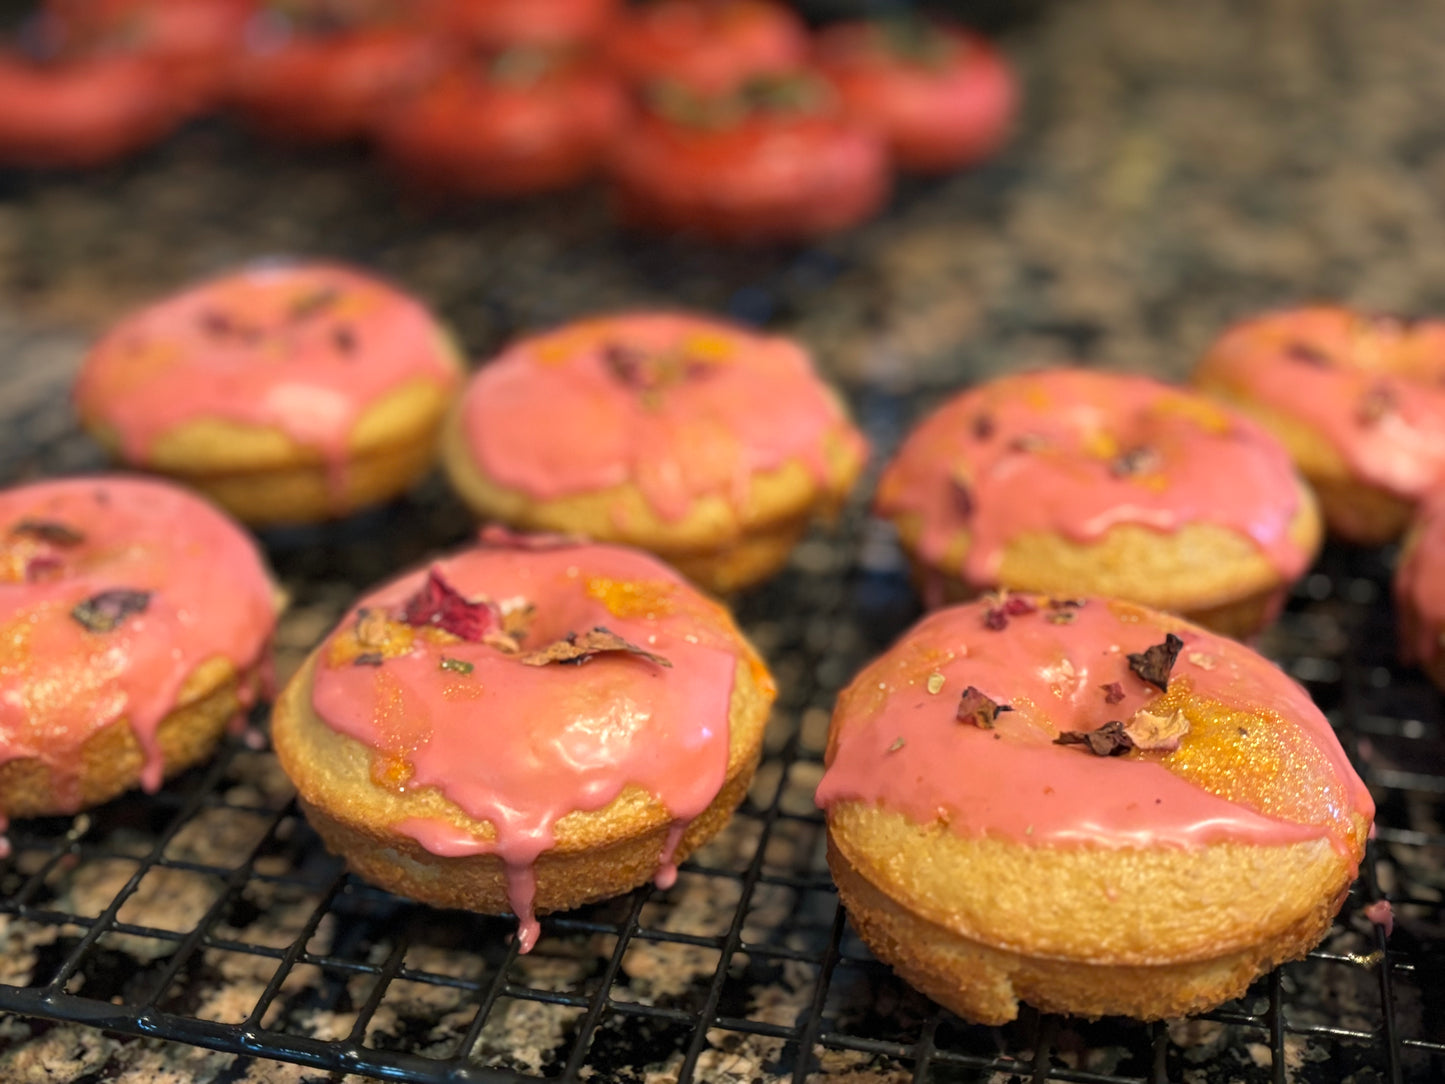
(1179, 164)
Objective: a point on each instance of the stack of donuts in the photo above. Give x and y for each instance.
(1072, 786)
(724, 119)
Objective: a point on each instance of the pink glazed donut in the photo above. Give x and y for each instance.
(1071, 481)
(708, 444)
(1086, 805)
(1355, 397)
(1420, 589)
(286, 393)
(134, 624)
(527, 725)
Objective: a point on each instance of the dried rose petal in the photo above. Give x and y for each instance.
(1308, 355)
(962, 497)
(1375, 403)
(579, 648)
(105, 612)
(1109, 740)
(344, 339)
(1155, 663)
(975, 708)
(983, 427)
(1161, 733)
(1140, 460)
(994, 619)
(43, 567)
(440, 604)
(1113, 692)
(1018, 605)
(49, 530)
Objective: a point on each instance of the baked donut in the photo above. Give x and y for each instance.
(1420, 589)
(1355, 397)
(1073, 481)
(81, 111)
(503, 24)
(1088, 806)
(322, 70)
(192, 42)
(288, 393)
(709, 47)
(527, 725)
(522, 121)
(942, 97)
(134, 624)
(775, 160)
(708, 444)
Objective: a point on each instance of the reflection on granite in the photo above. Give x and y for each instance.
(1180, 164)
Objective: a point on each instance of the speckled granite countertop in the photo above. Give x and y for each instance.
(1180, 164)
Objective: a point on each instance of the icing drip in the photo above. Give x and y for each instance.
(1381, 914)
(304, 350)
(1076, 453)
(61, 682)
(1369, 385)
(1259, 763)
(519, 745)
(682, 407)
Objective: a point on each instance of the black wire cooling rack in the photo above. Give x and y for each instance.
(210, 914)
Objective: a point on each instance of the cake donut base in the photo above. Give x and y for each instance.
(1171, 932)
(597, 855)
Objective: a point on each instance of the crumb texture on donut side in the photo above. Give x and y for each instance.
(544, 760)
(1080, 482)
(1087, 804)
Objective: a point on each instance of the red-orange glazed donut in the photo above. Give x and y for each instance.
(775, 160)
(192, 42)
(1082, 482)
(524, 121)
(943, 97)
(320, 72)
(708, 46)
(710, 445)
(1420, 589)
(134, 623)
(527, 725)
(1088, 806)
(1355, 397)
(288, 393)
(81, 111)
(503, 24)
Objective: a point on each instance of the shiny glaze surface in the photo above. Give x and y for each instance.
(1420, 580)
(1259, 764)
(710, 46)
(1369, 385)
(302, 349)
(1042, 452)
(61, 683)
(551, 417)
(522, 746)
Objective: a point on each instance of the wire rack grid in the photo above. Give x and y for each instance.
(211, 915)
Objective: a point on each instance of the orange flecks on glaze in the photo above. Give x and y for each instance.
(61, 683)
(1035, 453)
(1319, 365)
(539, 742)
(632, 599)
(549, 417)
(304, 350)
(895, 743)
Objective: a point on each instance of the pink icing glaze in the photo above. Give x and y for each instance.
(303, 349)
(1013, 783)
(551, 418)
(1038, 452)
(1319, 365)
(61, 683)
(1381, 914)
(522, 746)
(1420, 581)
